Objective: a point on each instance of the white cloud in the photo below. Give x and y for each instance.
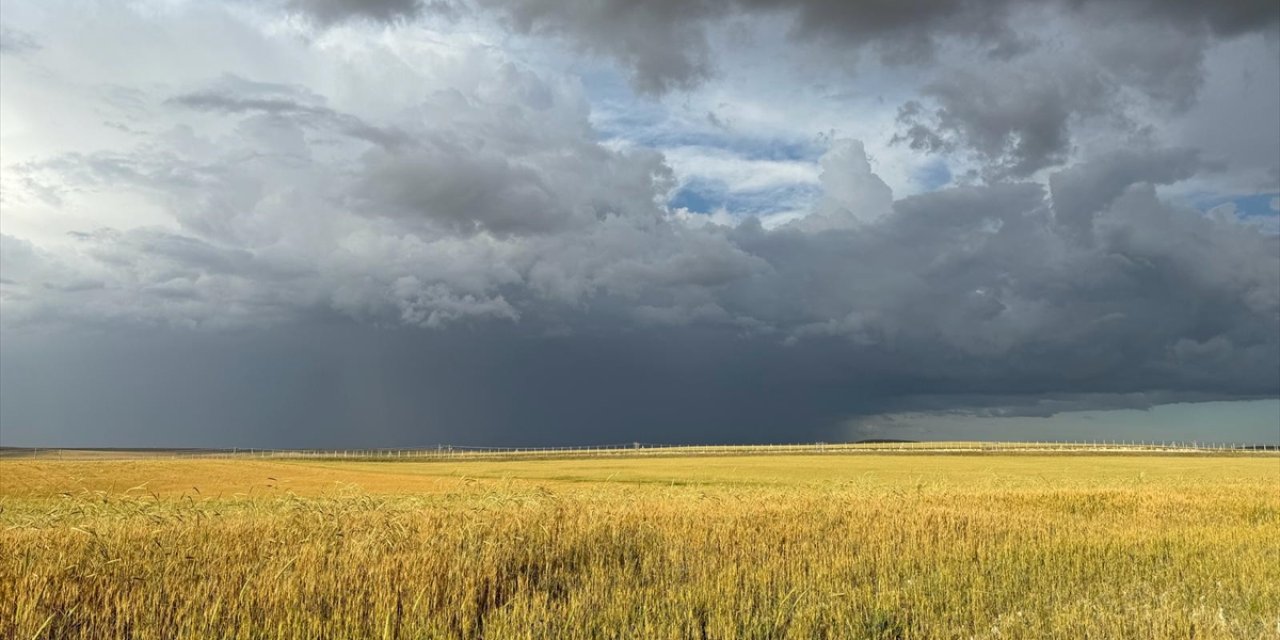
(739, 174)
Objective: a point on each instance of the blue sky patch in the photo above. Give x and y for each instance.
(933, 175)
(706, 196)
(695, 200)
(1258, 204)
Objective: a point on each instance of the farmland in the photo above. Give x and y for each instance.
(849, 545)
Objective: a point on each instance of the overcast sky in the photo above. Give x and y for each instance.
(303, 223)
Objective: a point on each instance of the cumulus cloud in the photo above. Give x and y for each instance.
(851, 193)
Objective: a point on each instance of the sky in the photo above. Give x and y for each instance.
(397, 223)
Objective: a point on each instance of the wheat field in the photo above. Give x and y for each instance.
(781, 546)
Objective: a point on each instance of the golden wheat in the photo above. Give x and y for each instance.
(730, 547)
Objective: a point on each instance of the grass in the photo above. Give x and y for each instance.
(776, 546)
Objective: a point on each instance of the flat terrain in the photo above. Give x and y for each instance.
(768, 546)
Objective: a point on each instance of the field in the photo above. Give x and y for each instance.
(849, 545)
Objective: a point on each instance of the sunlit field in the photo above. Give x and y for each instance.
(765, 546)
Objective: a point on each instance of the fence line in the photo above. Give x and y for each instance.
(448, 452)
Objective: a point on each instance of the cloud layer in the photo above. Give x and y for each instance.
(458, 247)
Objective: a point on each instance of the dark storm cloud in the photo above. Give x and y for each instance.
(1015, 104)
(1222, 18)
(996, 405)
(1014, 133)
(980, 300)
(911, 31)
(664, 41)
(329, 12)
(1018, 116)
(339, 384)
(1082, 191)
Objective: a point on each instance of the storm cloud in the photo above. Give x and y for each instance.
(1013, 100)
(357, 251)
(330, 12)
(665, 42)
